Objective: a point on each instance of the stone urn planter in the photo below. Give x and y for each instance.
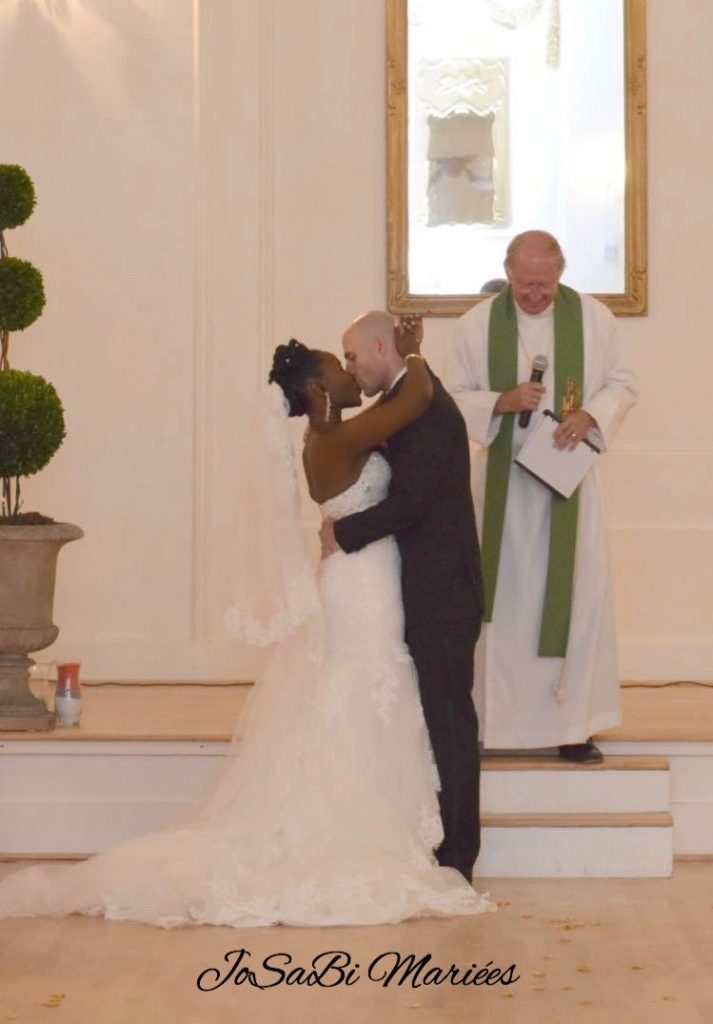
(28, 563)
(31, 431)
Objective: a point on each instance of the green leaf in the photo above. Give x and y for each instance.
(22, 294)
(31, 423)
(17, 196)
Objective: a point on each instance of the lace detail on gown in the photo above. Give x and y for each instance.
(361, 598)
(326, 809)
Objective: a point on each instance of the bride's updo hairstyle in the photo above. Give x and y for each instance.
(293, 365)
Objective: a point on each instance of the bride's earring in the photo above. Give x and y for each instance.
(327, 408)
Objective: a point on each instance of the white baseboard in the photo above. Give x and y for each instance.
(666, 657)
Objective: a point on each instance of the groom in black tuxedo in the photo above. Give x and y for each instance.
(429, 510)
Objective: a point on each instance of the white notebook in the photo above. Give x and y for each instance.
(560, 470)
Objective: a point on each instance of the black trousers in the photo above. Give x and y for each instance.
(443, 655)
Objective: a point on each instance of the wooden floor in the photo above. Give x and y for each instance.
(587, 952)
(208, 711)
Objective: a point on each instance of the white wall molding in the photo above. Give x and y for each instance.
(235, 252)
(699, 526)
(692, 446)
(267, 190)
(219, 169)
(200, 343)
(666, 657)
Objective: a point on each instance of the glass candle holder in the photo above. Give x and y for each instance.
(68, 694)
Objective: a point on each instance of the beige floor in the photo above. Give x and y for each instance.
(587, 951)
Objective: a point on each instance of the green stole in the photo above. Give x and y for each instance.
(502, 368)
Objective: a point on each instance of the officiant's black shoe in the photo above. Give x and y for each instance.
(581, 753)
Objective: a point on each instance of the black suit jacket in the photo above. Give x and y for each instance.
(429, 509)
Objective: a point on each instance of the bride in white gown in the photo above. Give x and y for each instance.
(326, 811)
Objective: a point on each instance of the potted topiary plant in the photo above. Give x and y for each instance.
(31, 431)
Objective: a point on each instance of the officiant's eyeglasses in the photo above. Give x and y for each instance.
(540, 286)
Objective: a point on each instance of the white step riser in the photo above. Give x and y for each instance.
(78, 826)
(106, 777)
(90, 826)
(85, 798)
(594, 790)
(633, 852)
(181, 777)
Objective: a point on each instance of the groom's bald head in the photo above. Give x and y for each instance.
(373, 325)
(370, 351)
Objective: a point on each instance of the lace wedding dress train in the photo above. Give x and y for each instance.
(326, 809)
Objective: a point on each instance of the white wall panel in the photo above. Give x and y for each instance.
(211, 180)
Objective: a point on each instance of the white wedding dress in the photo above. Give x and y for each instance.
(326, 811)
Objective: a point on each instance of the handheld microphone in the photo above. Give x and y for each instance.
(539, 365)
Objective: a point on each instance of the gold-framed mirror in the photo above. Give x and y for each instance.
(507, 115)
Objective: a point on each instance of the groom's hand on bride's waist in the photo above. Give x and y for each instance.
(326, 536)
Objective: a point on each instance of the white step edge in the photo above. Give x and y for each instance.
(548, 763)
(578, 819)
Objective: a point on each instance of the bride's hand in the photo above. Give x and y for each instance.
(408, 331)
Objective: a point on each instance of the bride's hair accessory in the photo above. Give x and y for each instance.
(407, 322)
(293, 365)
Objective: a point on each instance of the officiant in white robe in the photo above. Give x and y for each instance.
(546, 667)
